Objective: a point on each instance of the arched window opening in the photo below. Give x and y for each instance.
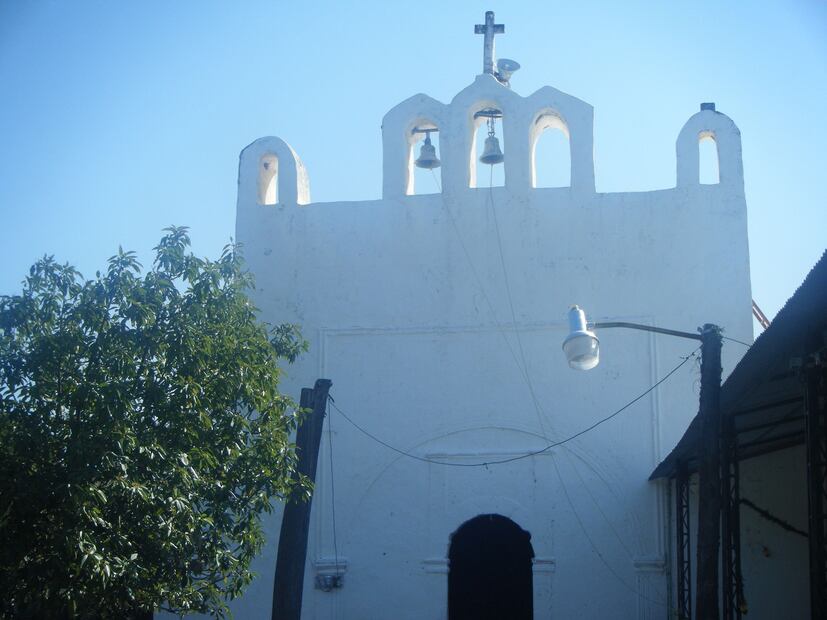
(550, 151)
(488, 143)
(490, 571)
(708, 171)
(424, 163)
(268, 169)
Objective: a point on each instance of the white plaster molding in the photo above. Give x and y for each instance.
(330, 566)
(460, 456)
(544, 565)
(325, 333)
(650, 564)
(441, 566)
(437, 566)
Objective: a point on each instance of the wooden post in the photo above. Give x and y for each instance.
(288, 585)
(709, 475)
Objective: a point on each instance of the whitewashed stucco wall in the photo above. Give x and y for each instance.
(405, 304)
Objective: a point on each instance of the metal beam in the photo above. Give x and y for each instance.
(765, 406)
(684, 562)
(798, 435)
(645, 328)
(773, 424)
(731, 587)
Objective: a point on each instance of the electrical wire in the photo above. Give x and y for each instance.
(332, 490)
(485, 296)
(592, 543)
(535, 400)
(746, 344)
(537, 406)
(523, 367)
(436, 181)
(519, 456)
(773, 519)
(599, 508)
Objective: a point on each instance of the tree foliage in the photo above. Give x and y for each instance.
(142, 435)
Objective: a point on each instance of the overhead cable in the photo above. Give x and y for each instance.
(519, 456)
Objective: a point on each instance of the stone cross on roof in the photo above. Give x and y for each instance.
(489, 29)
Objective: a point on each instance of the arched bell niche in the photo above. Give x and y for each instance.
(424, 163)
(550, 145)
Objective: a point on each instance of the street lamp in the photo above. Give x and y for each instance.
(582, 349)
(581, 346)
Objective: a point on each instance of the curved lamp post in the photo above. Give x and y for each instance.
(582, 349)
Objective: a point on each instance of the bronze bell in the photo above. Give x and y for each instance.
(492, 154)
(427, 156)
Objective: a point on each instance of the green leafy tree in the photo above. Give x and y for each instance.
(142, 436)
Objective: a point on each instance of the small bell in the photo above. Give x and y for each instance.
(492, 154)
(427, 155)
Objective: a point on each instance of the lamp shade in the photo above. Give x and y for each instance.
(581, 346)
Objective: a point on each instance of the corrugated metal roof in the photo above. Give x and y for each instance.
(764, 393)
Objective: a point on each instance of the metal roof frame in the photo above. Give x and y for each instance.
(764, 394)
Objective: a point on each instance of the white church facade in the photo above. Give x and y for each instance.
(439, 318)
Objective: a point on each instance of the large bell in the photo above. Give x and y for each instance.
(427, 156)
(492, 154)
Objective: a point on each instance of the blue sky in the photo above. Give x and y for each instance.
(118, 119)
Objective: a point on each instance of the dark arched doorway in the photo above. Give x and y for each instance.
(490, 571)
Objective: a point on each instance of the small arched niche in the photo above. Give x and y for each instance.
(423, 180)
(708, 165)
(713, 136)
(550, 144)
(268, 173)
(486, 119)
